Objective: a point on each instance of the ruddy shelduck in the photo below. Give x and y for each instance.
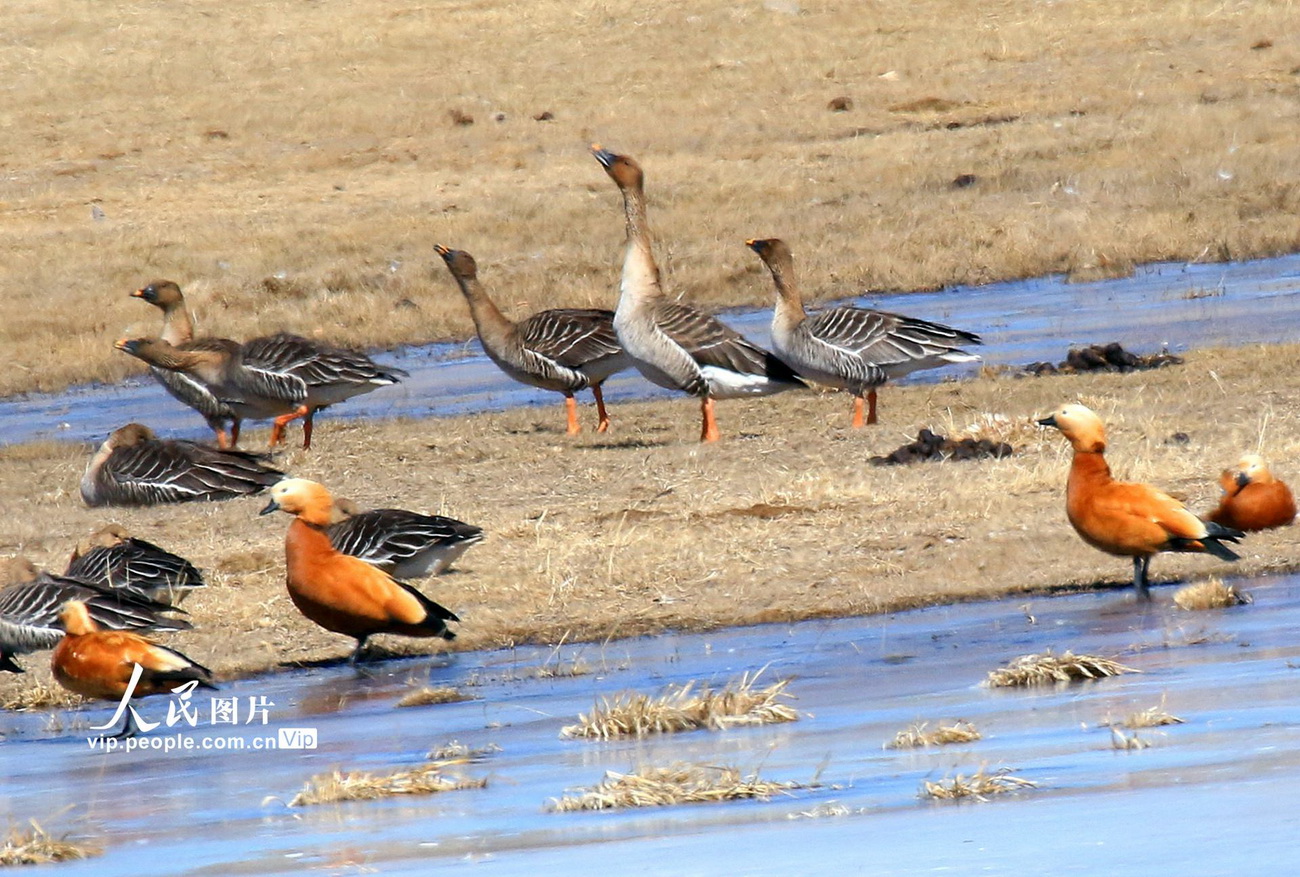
(100, 663)
(1126, 519)
(342, 593)
(1253, 499)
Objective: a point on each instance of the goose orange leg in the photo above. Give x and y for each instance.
(709, 432)
(857, 412)
(571, 412)
(306, 429)
(234, 432)
(603, 426)
(871, 406)
(277, 431)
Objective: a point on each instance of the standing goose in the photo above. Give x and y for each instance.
(1253, 499)
(563, 349)
(854, 349)
(101, 663)
(251, 390)
(330, 374)
(134, 467)
(672, 344)
(178, 331)
(339, 592)
(114, 558)
(29, 612)
(1125, 519)
(406, 545)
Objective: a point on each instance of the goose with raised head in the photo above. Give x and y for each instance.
(1127, 519)
(406, 545)
(341, 593)
(104, 664)
(563, 349)
(675, 345)
(850, 348)
(135, 467)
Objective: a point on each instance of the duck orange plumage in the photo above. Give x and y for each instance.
(343, 593)
(1253, 499)
(99, 663)
(1126, 519)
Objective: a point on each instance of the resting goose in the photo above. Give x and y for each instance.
(854, 349)
(341, 593)
(101, 663)
(564, 349)
(178, 331)
(406, 545)
(672, 344)
(1253, 499)
(29, 612)
(251, 390)
(1126, 519)
(112, 557)
(135, 467)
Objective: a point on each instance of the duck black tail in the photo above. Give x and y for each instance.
(1218, 534)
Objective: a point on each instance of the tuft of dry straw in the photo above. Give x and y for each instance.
(1047, 667)
(1151, 717)
(426, 695)
(36, 846)
(454, 750)
(682, 708)
(38, 695)
(916, 736)
(676, 784)
(980, 785)
(336, 787)
(1209, 594)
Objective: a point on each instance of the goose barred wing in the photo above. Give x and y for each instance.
(572, 337)
(178, 471)
(192, 392)
(387, 538)
(710, 342)
(137, 564)
(887, 339)
(317, 364)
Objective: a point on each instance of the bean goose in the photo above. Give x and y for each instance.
(1126, 519)
(854, 349)
(102, 663)
(29, 612)
(114, 558)
(563, 349)
(341, 593)
(673, 344)
(406, 545)
(1253, 499)
(135, 467)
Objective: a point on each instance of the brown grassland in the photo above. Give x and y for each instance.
(291, 164)
(644, 530)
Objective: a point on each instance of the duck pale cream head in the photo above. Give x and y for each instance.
(622, 169)
(1251, 469)
(306, 499)
(1080, 425)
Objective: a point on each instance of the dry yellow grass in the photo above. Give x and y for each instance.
(426, 695)
(1048, 668)
(685, 708)
(643, 531)
(918, 735)
(665, 786)
(291, 165)
(1211, 593)
(980, 785)
(337, 787)
(36, 846)
(1151, 717)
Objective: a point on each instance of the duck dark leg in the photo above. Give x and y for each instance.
(356, 653)
(128, 728)
(603, 425)
(1140, 577)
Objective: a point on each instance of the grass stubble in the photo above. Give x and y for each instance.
(674, 784)
(1012, 141)
(33, 845)
(1048, 668)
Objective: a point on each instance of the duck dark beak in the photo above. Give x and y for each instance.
(1049, 420)
(1242, 479)
(271, 506)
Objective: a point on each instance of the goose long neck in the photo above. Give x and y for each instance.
(640, 273)
(789, 311)
(177, 328)
(492, 325)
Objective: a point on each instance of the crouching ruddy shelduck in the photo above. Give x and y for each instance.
(343, 593)
(1253, 499)
(100, 663)
(1125, 519)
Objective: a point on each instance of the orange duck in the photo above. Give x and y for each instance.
(99, 663)
(1125, 519)
(1252, 498)
(343, 593)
